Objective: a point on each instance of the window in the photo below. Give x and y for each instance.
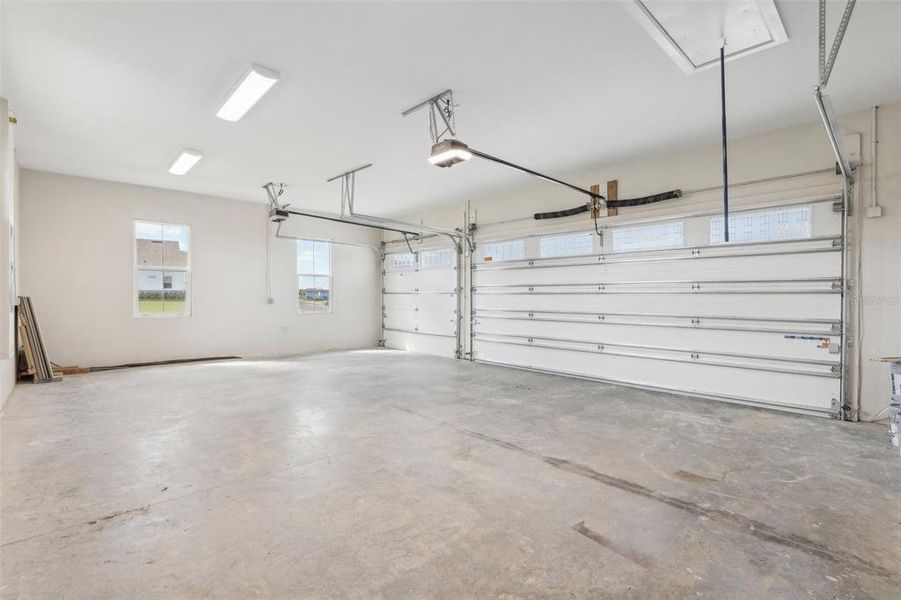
(436, 259)
(574, 244)
(764, 226)
(314, 276)
(401, 261)
(501, 251)
(639, 238)
(162, 269)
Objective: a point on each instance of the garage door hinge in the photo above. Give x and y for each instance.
(838, 207)
(837, 244)
(836, 328)
(696, 252)
(600, 347)
(696, 286)
(695, 321)
(836, 369)
(695, 356)
(837, 284)
(840, 410)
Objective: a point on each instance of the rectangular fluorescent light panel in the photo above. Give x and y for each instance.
(253, 85)
(690, 32)
(185, 160)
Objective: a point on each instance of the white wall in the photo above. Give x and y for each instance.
(77, 264)
(793, 150)
(8, 174)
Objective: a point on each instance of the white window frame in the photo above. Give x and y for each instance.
(616, 248)
(137, 269)
(390, 265)
(331, 296)
(424, 267)
(520, 241)
(715, 225)
(563, 236)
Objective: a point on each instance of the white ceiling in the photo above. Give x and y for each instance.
(115, 90)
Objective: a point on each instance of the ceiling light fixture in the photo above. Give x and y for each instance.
(185, 160)
(253, 85)
(449, 152)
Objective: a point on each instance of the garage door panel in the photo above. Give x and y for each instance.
(414, 342)
(803, 266)
(788, 343)
(802, 392)
(399, 301)
(437, 280)
(785, 306)
(399, 319)
(420, 302)
(436, 321)
(399, 281)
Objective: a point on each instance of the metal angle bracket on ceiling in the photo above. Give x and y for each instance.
(825, 63)
(348, 184)
(440, 105)
(824, 105)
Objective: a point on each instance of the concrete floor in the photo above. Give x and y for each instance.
(379, 474)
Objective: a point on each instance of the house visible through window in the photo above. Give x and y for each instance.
(314, 276)
(162, 269)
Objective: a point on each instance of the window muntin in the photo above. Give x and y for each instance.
(504, 251)
(441, 258)
(162, 269)
(638, 238)
(790, 223)
(314, 277)
(573, 244)
(401, 261)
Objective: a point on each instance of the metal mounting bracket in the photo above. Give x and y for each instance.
(348, 183)
(826, 64)
(440, 105)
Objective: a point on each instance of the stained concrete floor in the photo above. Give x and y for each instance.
(380, 474)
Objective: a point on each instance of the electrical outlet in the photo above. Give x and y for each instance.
(874, 212)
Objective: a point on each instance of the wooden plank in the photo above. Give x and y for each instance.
(72, 370)
(41, 360)
(26, 350)
(612, 194)
(595, 203)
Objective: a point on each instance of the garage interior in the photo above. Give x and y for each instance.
(451, 299)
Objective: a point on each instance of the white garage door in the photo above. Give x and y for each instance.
(421, 301)
(666, 304)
